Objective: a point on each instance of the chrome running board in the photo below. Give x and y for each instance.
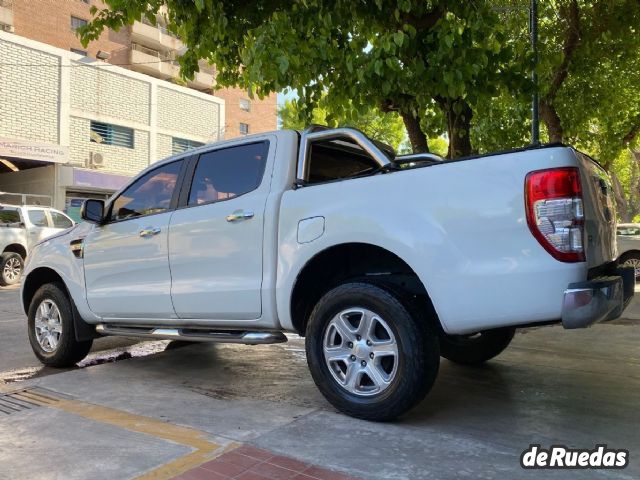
(193, 334)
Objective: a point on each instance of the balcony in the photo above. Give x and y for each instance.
(156, 37)
(6, 15)
(152, 62)
(203, 79)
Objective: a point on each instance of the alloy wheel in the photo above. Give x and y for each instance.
(48, 325)
(361, 351)
(12, 270)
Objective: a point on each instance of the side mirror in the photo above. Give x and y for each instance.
(92, 211)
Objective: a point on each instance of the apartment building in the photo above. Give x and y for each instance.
(73, 127)
(142, 47)
(79, 122)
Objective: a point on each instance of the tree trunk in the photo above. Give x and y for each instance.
(551, 119)
(418, 139)
(458, 114)
(622, 205)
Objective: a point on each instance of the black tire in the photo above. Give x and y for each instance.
(634, 261)
(475, 349)
(418, 356)
(68, 350)
(9, 263)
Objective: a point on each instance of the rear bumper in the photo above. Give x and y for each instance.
(597, 300)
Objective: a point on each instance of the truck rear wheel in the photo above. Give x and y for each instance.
(51, 328)
(476, 348)
(11, 266)
(367, 354)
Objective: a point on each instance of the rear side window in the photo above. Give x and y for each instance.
(38, 218)
(60, 221)
(9, 217)
(228, 173)
(149, 194)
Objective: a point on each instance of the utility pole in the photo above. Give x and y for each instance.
(535, 115)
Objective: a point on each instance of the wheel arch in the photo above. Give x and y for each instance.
(356, 261)
(16, 248)
(35, 279)
(43, 275)
(629, 253)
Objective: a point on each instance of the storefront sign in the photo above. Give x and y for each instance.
(44, 152)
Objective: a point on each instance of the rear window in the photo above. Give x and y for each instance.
(9, 217)
(337, 160)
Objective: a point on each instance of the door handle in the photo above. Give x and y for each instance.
(149, 231)
(240, 215)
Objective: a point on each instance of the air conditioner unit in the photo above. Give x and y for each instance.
(96, 160)
(7, 28)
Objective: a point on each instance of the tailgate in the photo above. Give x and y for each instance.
(599, 212)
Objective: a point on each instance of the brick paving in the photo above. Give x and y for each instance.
(250, 463)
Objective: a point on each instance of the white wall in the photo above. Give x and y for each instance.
(51, 95)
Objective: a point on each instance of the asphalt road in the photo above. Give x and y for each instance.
(15, 352)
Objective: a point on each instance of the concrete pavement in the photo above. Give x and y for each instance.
(125, 419)
(15, 352)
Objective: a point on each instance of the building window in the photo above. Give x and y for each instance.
(88, 2)
(77, 22)
(245, 104)
(79, 52)
(244, 129)
(108, 134)
(179, 145)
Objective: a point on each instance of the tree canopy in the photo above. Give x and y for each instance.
(442, 66)
(409, 56)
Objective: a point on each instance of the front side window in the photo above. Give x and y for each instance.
(151, 193)
(38, 218)
(228, 173)
(109, 134)
(60, 221)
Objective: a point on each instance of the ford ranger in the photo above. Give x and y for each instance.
(383, 262)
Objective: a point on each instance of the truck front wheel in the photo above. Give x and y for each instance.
(51, 328)
(369, 356)
(11, 265)
(476, 348)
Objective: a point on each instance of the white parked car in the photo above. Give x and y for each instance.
(21, 227)
(628, 236)
(383, 262)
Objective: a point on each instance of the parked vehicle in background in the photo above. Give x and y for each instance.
(383, 262)
(21, 227)
(628, 238)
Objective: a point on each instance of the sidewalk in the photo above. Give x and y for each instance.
(229, 411)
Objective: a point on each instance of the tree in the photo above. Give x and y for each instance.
(413, 57)
(589, 88)
(384, 127)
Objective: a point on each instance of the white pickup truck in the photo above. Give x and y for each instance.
(383, 262)
(21, 227)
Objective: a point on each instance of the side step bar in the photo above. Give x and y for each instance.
(193, 334)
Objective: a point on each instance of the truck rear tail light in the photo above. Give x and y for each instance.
(555, 212)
